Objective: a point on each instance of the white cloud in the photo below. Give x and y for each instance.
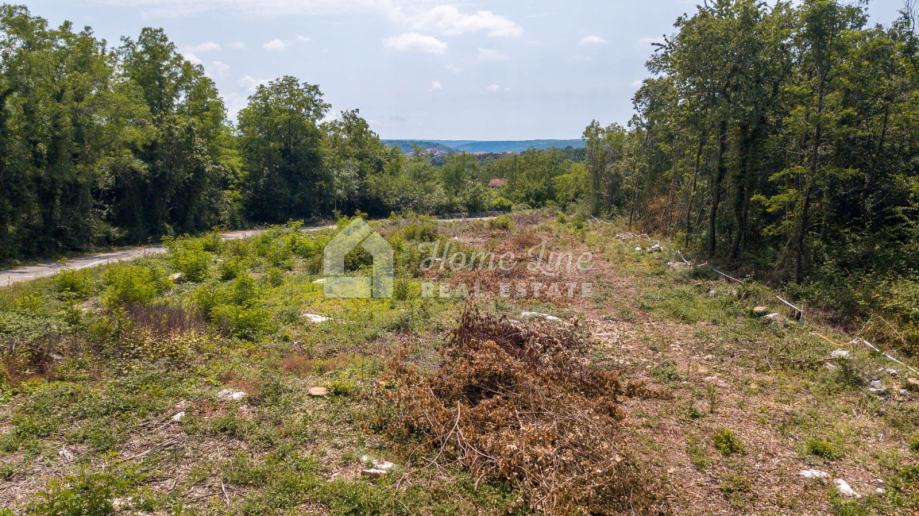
(207, 46)
(496, 88)
(450, 21)
(303, 39)
(488, 54)
(275, 45)
(452, 68)
(592, 40)
(192, 58)
(219, 67)
(236, 45)
(414, 42)
(250, 84)
(436, 86)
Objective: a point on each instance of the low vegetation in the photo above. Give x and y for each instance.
(119, 387)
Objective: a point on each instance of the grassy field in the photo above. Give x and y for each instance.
(181, 384)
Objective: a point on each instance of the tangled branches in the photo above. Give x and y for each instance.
(521, 404)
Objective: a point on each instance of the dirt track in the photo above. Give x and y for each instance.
(42, 270)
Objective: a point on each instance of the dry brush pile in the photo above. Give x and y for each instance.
(521, 404)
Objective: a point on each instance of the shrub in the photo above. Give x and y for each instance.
(74, 283)
(914, 443)
(821, 448)
(419, 232)
(190, 258)
(727, 442)
(130, 284)
(500, 222)
(500, 203)
(83, 493)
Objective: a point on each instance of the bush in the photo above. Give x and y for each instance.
(190, 258)
(130, 284)
(419, 232)
(500, 222)
(821, 448)
(914, 443)
(727, 442)
(500, 203)
(83, 493)
(74, 283)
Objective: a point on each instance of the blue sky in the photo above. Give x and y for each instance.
(496, 69)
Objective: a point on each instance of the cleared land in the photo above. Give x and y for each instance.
(663, 384)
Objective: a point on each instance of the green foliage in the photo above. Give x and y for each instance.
(914, 443)
(727, 442)
(130, 284)
(84, 493)
(76, 284)
(190, 258)
(502, 222)
(821, 448)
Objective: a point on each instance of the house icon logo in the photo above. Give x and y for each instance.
(337, 283)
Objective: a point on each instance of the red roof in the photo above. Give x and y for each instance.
(497, 182)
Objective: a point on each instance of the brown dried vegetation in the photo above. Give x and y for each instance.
(522, 405)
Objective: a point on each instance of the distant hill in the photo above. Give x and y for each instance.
(483, 146)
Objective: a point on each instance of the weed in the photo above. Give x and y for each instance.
(727, 442)
(82, 493)
(666, 372)
(914, 443)
(75, 284)
(134, 284)
(693, 412)
(502, 222)
(696, 452)
(821, 448)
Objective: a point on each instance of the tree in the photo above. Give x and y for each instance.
(281, 145)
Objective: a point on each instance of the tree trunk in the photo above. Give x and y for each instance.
(716, 186)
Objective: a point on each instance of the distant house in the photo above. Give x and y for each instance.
(497, 182)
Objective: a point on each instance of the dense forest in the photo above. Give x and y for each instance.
(780, 140)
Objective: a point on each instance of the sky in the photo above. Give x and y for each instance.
(426, 69)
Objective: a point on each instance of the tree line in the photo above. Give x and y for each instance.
(780, 139)
(105, 145)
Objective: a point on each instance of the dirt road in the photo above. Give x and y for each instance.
(43, 270)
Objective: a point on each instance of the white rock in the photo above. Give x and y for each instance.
(678, 265)
(181, 405)
(840, 354)
(774, 317)
(814, 473)
(879, 490)
(230, 395)
(65, 455)
(891, 372)
(655, 248)
(877, 387)
(845, 489)
(383, 465)
(320, 281)
(177, 277)
(374, 472)
(760, 311)
(536, 315)
(318, 391)
(179, 416)
(638, 249)
(316, 318)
